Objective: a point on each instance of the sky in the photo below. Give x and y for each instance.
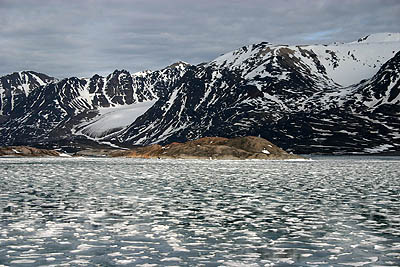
(84, 37)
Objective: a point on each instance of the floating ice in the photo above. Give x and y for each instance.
(80, 211)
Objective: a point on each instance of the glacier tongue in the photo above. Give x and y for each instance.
(113, 119)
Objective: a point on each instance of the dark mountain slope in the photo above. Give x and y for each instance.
(220, 102)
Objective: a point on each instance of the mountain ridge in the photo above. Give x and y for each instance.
(295, 96)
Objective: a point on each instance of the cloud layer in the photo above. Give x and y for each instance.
(81, 38)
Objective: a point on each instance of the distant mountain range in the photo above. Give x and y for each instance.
(336, 98)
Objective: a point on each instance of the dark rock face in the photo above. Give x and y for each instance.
(219, 98)
(16, 87)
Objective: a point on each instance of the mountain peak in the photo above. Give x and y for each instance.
(380, 38)
(179, 65)
(29, 72)
(117, 72)
(142, 73)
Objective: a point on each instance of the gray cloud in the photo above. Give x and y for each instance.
(80, 38)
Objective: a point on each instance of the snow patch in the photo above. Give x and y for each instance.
(65, 155)
(382, 37)
(141, 73)
(265, 151)
(350, 63)
(114, 118)
(111, 145)
(378, 149)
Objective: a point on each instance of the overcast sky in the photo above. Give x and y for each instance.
(84, 37)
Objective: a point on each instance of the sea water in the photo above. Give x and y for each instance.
(113, 212)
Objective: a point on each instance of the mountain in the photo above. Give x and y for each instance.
(337, 98)
(290, 95)
(16, 87)
(58, 110)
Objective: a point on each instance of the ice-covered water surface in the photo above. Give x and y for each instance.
(111, 212)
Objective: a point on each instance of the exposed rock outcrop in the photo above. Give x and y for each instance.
(26, 151)
(249, 147)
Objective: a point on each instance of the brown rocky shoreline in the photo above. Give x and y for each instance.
(27, 151)
(238, 148)
(249, 147)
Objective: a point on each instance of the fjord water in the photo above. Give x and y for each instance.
(112, 212)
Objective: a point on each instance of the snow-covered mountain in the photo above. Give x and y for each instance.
(16, 87)
(282, 93)
(341, 97)
(62, 110)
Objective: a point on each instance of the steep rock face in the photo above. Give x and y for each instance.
(382, 89)
(160, 81)
(16, 87)
(188, 109)
(361, 118)
(44, 113)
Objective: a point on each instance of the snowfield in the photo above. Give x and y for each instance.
(113, 119)
(344, 63)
